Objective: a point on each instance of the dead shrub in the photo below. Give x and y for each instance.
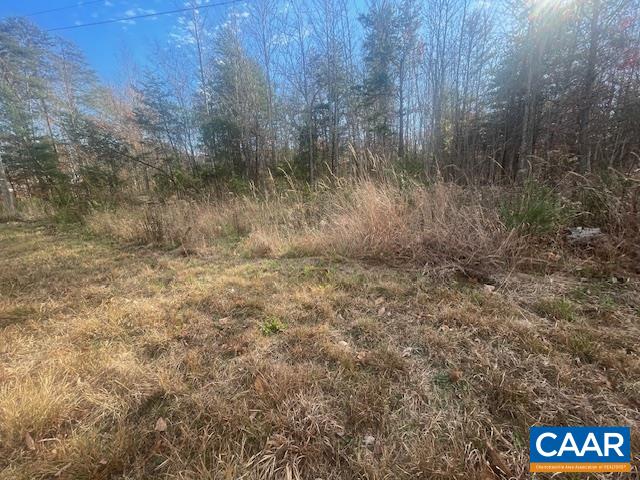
(190, 225)
(259, 244)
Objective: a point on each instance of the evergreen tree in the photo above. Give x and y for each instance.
(28, 153)
(381, 45)
(235, 132)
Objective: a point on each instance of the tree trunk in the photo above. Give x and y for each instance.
(6, 192)
(529, 104)
(203, 83)
(312, 172)
(587, 94)
(401, 113)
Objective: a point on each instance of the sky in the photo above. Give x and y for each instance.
(109, 47)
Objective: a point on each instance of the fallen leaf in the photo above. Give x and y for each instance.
(157, 445)
(259, 385)
(368, 440)
(379, 301)
(161, 425)
(553, 257)
(28, 441)
(342, 343)
(496, 461)
(224, 320)
(489, 288)
(381, 311)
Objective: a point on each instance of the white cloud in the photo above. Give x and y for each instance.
(132, 12)
(182, 37)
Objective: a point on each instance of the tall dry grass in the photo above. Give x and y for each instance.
(190, 225)
(28, 210)
(441, 224)
(88, 367)
(611, 202)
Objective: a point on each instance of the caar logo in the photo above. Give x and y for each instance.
(580, 449)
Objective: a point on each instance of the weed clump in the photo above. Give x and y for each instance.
(272, 326)
(556, 309)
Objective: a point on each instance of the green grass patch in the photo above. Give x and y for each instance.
(556, 309)
(536, 210)
(272, 326)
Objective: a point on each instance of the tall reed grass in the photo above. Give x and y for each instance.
(387, 218)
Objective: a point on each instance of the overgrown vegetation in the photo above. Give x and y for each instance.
(304, 247)
(127, 363)
(394, 219)
(469, 93)
(536, 209)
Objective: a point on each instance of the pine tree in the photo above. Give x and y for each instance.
(236, 130)
(381, 46)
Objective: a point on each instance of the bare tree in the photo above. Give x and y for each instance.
(265, 30)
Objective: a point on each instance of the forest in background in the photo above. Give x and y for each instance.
(469, 91)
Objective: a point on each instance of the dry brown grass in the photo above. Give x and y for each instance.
(441, 225)
(438, 225)
(196, 227)
(611, 202)
(378, 372)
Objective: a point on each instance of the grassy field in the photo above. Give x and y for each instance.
(135, 363)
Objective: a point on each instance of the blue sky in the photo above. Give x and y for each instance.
(105, 45)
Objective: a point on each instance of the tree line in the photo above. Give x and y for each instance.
(467, 89)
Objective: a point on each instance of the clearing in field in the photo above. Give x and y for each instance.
(131, 363)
